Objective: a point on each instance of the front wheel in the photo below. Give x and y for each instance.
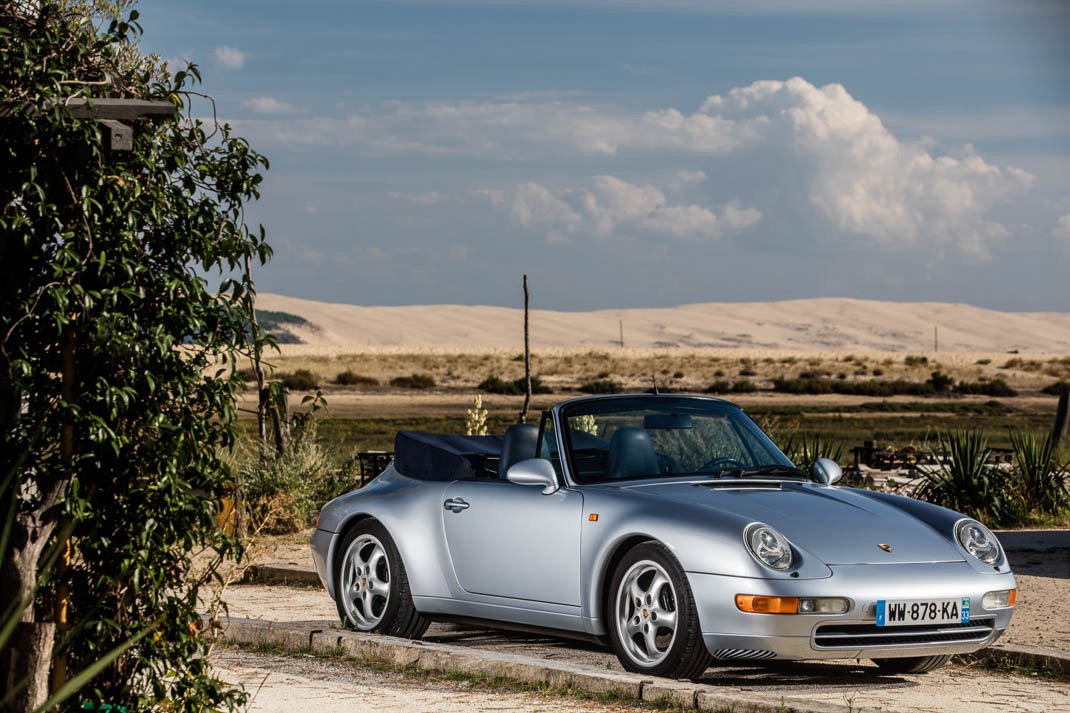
(653, 623)
(912, 664)
(371, 587)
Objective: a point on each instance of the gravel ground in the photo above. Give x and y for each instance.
(285, 684)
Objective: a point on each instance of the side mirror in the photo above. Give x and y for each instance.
(827, 471)
(533, 471)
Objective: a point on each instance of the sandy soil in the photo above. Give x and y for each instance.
(816, 324)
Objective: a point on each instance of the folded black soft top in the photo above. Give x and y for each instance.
(439, 456)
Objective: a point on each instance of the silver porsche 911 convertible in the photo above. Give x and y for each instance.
(668, 526)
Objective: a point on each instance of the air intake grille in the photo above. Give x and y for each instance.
(849, 636)
(743, 654)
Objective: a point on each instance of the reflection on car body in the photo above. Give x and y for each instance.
(668, 526)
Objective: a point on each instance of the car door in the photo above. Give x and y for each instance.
(509, 540)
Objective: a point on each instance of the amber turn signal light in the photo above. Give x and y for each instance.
(756, 604)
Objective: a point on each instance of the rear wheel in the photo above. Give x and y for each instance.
(371, 587)
(653, 623)
(912, 664)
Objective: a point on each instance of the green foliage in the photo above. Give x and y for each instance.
(495, 385)
(601, 386)
(284, 491)
(1041, 479)
(351, 378)
(967, 484)
(112, 254)
(300, 380)
(912, 360)
(804, 450)
(941, 383)
(413, 381)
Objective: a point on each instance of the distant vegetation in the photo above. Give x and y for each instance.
(413, 381)
(516, 387)
(601, 386)
(300, 380)
(276, 323)
(351, 378)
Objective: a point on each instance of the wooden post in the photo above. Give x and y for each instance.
(527, 357)
(936, 339)
(621, 323)
(1062, 417)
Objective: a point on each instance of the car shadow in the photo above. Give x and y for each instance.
(797, 675)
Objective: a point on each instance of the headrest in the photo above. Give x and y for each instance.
(631, 453)
(519, 444)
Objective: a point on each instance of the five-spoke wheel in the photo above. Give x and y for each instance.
(365, 585)
(371, 586)
(654, 626)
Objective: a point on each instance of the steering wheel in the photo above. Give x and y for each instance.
(713, 464)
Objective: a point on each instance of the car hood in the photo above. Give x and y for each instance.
(836, 525)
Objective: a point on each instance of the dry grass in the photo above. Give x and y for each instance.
(684, 369)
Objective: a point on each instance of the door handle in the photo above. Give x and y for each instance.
(455, 504)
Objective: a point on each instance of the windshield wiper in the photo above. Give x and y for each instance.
(772, 469)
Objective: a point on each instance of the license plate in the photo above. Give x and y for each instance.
(923, 611)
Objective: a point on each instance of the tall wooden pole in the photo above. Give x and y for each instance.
(1062, 417)
(620, 322)
(527, 356)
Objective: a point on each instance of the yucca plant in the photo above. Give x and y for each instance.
(1042, 480)
(965, 482)
(805, 450)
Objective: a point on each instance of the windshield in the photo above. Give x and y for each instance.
(664, 436)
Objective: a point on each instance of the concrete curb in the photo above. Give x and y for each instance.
(513, 667)
(1021, 656)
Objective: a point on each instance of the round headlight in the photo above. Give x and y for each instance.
(979, 541)
(768, 546)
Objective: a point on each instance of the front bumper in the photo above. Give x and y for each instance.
(731, 634)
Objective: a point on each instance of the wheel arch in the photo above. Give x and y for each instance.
(609, 565)
(333, 554)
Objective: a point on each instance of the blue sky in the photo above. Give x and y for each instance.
(639, 153)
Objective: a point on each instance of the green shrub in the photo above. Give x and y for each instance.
(747, 371)
(983, 362)
(872, 387)
(912, 360)
(300, 380)
(1041, 479)
(804, 451)
(995, 387)
(719, 387)
(351, 378)
(678, 375)
(1056, 388)
(413, 381)
(744, 386)
(967, 484)
(941, 383)
(601, 386)
(494, 385)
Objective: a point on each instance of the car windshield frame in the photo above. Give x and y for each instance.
(670, 404)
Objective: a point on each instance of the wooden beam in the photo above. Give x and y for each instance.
(119, 109)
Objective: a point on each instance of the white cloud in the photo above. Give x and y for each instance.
(1062, 227)
(814, 157)
(533, 205)
(271, 105)
(611, 204)
(230, 57)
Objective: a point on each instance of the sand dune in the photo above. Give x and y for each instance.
(825, 324)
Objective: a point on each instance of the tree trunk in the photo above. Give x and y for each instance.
(27, 665)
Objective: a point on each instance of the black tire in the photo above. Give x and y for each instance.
(912, 664)
(399, 616)
(686, 656)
